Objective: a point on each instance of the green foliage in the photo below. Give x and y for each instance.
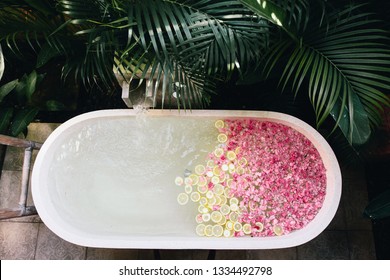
(339, 58)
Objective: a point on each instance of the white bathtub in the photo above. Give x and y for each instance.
(105, 179)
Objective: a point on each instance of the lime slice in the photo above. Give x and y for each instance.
(195, 196)
(217, 230)
(278, 230)
(200, 229)
(179, 181)
(219, 124)
(231, 155)
(208, 230)
(182, 198)
(222, 138)
(200, 169)
(237, 226)
(218, 152)
(225, 209)
(216, 216)
(247, 228)
(188, 189)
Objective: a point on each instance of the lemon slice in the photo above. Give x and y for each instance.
(218, 152)
(231, 155)
(209, 194)
(202, 189)
(225, 167)
(233, 216)
(195, 196)
(260, 226)
(206, 217)
(237, 226)
(188, 181)
(225, 209)
(218, 189)
(210, 173)
(202, 209)
(234, 207)
(217, 230)
(210, 163)
(179, 181)
(218, 199)
(222, 221)
(231, 167)
(202, 181)
(229, 183)
(227, 192)
(212, 201)
(242, 161)
(216, 171)
(219, 124)
(227, 233)
(208, 230)
(240, 170)
(222, 137)
(182, 198)
(247, 228)
(203, 201)
(215, 180)
(200, 229)
(194, 178)
(188, 189)
(216, 216)
(229, 225)
(233, 200)
(237, 150)
(200, 169)
(198, 218)
(278, 230)
(223, 200)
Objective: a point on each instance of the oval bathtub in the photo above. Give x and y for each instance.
(105, 179)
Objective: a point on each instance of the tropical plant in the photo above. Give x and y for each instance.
(340, 57)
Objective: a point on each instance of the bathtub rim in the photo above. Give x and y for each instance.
(313, 229)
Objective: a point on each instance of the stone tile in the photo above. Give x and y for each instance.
(329, 245)
(361, 245)
(338, 222)
(52, 247)
(111, 254)
(231, 255)
(18, 240)
(10, 184)
(39, 132)
(13, 159)
(276, 254)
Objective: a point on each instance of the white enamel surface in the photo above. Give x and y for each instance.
(100, 180)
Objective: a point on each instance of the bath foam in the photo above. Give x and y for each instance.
(107, 179)
(262, 179)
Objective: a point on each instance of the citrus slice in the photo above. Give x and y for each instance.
(200, 169)
(202, 189)
(188, 189)
(203, 201)
(234, 207)
(212, 201)
(237, 226)
(215, 180)
(218, 189)
(210, 163)
(210, 173)
(233, 200)
(188, 181)
(227, 233)
(206, 217)
(200, 229)
(222, 221)
(194, 178)
(219, 124)
(202, 209)
(260, 226)
(237, 150)
(225, 209)
(278, 230)
(202, 181)
(195, 196)
(216, 171)
(216, 216)
(217, 230)
(231, 155)
(208, 230)
(198, 218)
(218, 152)
(247, 228)
(242, 161)
(179, 181)
(182, 198)
(222, 137)
(225, 167)
(233, 216)
(229, 225)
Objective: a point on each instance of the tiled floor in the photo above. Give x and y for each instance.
(349, 236)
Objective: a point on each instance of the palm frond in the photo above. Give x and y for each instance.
(346, 64)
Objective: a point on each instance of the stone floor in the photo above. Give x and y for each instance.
(349, 236)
